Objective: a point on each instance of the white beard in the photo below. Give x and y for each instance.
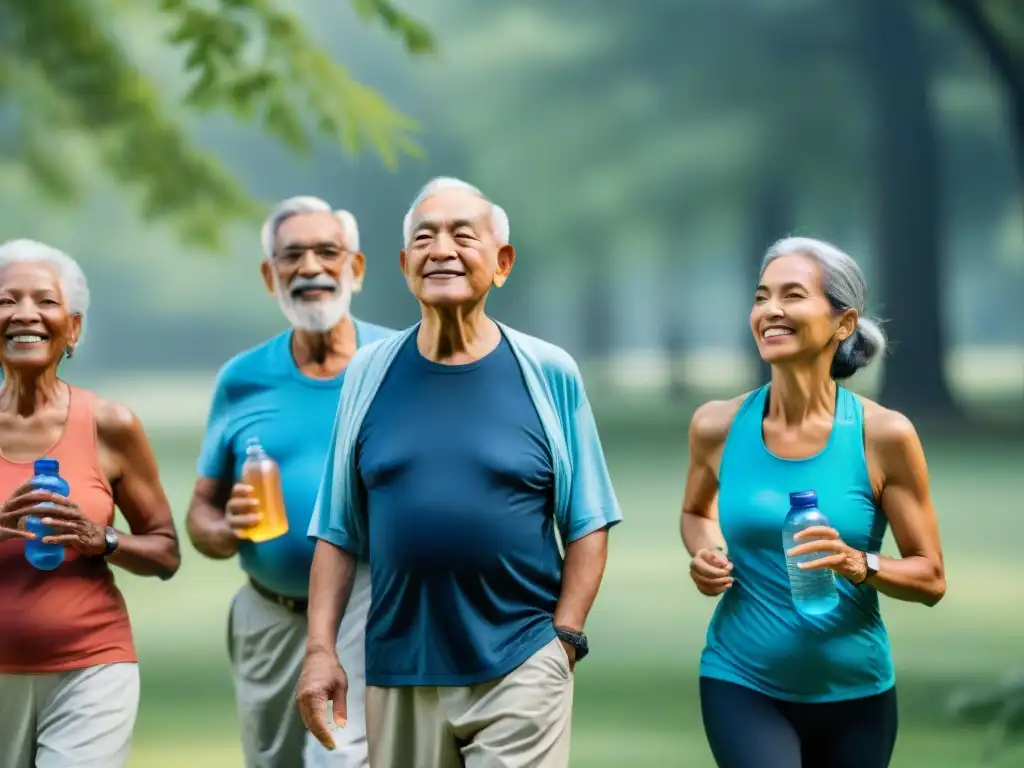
(318, 316)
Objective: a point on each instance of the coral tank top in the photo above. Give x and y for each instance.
(74, 616)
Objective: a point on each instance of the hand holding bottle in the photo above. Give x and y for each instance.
(12, 514)
(242, 511)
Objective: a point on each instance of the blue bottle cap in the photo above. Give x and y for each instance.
(47, 467)
(803, 499)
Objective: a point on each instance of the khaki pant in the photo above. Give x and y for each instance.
(78, 719)
(267, 644)
(521, 720)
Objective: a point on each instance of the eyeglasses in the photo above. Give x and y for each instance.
(325, 254)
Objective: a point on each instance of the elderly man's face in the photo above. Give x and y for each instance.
(453, 256)
(312, 273)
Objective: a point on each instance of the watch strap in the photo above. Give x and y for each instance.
(577, 640)
(110, 541)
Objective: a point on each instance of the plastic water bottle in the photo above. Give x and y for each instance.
(814, 592)
(45, 557)
(263, 474)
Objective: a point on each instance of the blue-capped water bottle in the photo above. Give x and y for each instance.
(43, 556)
(814, 591)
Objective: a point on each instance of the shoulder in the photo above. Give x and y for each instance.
(117, 426)
(370, 332)
(710, 423)
(557, 365)
(372, 358)
(888, 432)
(250, 364)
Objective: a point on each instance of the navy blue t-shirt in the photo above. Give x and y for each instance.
(464, 562)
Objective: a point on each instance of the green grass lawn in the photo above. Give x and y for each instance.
(636, 700)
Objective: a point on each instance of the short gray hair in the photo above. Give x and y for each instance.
(499, 219)
(295, 206)
(73, 284)
(845, 287)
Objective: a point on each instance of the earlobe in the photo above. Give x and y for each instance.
(499, 280)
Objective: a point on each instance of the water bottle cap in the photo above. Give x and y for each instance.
(46, 467)
(803, 499)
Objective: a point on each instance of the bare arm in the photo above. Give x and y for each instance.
(206, 522)
(151, 549)
(698, 523)
(330, 586)
(919, 574)
(582, 571)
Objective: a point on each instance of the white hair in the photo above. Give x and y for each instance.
(499, 219)
(295, 206)
(73, 285)
(845, 287)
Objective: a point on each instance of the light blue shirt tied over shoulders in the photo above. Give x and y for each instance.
(584, 500)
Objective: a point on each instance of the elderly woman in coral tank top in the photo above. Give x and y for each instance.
(69, 679)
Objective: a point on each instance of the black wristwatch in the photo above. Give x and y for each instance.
(110, 541)
(577, 640)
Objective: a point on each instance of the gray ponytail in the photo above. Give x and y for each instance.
(845, 287)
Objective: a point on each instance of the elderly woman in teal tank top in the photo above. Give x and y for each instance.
(779, 688)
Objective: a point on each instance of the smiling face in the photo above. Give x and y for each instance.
(453, 256)
(34, 319)
(312, 274)
(792, 319)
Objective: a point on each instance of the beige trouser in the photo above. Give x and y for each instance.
(521, 720)
(267, 644)
(78, 719)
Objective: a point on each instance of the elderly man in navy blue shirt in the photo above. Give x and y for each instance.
(465, 453)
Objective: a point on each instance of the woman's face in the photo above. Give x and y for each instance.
(34, 319)
(792, 320)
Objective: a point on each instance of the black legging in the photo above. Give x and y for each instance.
(747, 729)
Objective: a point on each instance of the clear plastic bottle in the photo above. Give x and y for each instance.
(262, 473)
(814, 592)
(45, 557)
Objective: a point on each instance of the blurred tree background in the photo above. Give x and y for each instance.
(648, 148)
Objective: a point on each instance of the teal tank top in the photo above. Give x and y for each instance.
(757, 638)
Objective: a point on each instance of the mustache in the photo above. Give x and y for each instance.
(320, 282)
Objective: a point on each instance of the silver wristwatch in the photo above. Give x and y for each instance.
(870, 565)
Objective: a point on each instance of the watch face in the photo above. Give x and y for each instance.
(872, 561)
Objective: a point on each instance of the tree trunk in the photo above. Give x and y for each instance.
(909, 233)
(1007, 65)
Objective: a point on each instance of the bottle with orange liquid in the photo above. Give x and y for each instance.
(264, 476)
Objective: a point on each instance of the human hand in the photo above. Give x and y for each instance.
(711, 571)
(837, 555)
(322, 679)
(570, 654)
(70, 527)
(12, 526)
(242, 510)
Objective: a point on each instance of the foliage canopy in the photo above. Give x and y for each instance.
(67, 80)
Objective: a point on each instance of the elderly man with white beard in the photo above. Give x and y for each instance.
(285, 393)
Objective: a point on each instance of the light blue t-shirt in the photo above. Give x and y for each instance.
(757, 638)
(262, 393)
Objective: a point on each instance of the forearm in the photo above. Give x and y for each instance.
(700, 532)
(330, 586)
(915, 579)
(582, 571)
(151, 554)
(209, 532)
